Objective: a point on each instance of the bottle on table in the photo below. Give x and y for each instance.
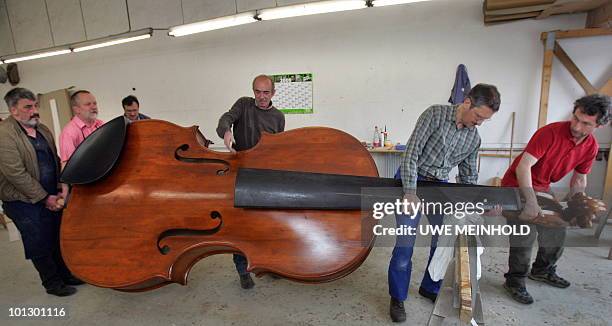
(376, 140)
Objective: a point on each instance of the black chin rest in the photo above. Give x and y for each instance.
(97, 154)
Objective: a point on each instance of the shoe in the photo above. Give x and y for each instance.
(246, 282)
(519, 294)
(397, 311)
(550, 278)
(62, 291)
(429, 295)
(72, 281)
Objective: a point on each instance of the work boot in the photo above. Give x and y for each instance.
(429, 295)
(62, 291)
(397, 311)
(246, 282)
(518, 293)
(550, 278)
(72, 281)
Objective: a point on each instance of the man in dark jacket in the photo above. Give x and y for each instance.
(29, 189)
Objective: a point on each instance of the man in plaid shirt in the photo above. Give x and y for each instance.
(445, 136)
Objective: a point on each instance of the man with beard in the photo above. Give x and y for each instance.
(248, 117)
(554, 151)
(29, 172)
(84, 122)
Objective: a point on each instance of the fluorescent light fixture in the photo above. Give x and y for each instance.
(380, 3)
(212, 24)
(310, 8)
(35, 55)
(113, 40)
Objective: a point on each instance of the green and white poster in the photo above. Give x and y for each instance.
(293, 93)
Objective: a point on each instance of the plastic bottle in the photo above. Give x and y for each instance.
(385, 138)
(376, 139)
(387, 141)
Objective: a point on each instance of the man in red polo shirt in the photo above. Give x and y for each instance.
(553, 152)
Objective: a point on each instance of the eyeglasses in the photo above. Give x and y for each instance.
(480, 118)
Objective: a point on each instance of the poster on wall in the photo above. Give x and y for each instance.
(293, 93)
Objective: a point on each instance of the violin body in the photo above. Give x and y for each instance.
(169, 202)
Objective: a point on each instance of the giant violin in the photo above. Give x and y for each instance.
(149, 200)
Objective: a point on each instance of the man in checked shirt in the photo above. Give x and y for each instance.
(445, 136)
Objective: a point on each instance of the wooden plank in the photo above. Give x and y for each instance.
(574, 70)
(569, 7)
(607, 88)
(600, 17)
(546, 76)
(490, 19)
(607, 193)
(559, 34)
(512, 11)
(465, 286)
(506, 4)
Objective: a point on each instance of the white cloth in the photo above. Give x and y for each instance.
(446, 247)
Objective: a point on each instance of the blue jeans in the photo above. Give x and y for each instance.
(400, 266)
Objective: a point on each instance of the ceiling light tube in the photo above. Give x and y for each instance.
(113, 40)
(213, 24)
(35, 55)
(310, 8)
(381, 3)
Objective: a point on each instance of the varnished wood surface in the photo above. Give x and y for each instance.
(110, 228)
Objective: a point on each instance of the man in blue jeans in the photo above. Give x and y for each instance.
(444, 137)
(400, 266)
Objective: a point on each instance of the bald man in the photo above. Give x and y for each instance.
(241, 129)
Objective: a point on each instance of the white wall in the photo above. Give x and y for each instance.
(374, 66)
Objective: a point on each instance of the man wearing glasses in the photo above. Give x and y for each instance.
(552, 152)
(444, 137)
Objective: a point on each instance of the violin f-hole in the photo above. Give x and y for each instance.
(164, 250)
(200, 160)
